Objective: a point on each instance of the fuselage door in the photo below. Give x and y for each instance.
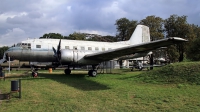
(75, 55)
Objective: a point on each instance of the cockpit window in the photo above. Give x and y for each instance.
(24, 45)
(29, 45)
(18, 45)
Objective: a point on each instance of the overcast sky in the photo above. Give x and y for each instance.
(22, 19)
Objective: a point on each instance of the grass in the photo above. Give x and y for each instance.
(184, 72)
(120, 91)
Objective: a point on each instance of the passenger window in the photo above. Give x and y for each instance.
(74, 48)
(66, 47)
(89, 48)
(82, 48)
(38, 46)
(96, 48)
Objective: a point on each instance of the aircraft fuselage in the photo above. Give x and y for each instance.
(72, 51)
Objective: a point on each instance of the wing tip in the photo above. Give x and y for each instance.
(178, 39)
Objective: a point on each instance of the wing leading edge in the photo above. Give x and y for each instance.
(114, 53)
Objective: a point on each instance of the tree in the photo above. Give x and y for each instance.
(53, 36)
(109, 38)
(102, 38)
(125, 28)
(155, 25)
(2, 50)
(193, 49)
(172, 54)
(177, 26)
(76, 36)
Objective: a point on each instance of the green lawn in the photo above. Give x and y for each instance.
(120, 91)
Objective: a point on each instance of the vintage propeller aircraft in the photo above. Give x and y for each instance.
(76, 52)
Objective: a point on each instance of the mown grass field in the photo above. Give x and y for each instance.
(121, 91)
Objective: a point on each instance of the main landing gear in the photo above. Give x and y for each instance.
(67, 71)
(92, 72)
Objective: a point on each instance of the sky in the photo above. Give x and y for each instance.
(23, 19)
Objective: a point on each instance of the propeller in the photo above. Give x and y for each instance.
(6, 56)
(57, 52)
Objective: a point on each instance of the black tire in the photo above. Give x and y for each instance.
(90, 72)
(93, 73)
(67, 71)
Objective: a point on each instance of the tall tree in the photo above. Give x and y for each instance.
(193, 49)
(177, 26)
(125, 28)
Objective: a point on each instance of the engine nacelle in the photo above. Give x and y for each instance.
(67, 56)
(76, 57)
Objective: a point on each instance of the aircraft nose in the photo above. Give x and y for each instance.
(8, 54)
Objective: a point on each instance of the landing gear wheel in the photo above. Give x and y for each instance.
(92, 73)
(89, 72)
(34, 74)
(67, 71)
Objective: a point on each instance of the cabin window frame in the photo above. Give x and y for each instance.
(75, 48)
(67, 47)
(82, 48)
(90, 48)
(96, 48)
(38, 46)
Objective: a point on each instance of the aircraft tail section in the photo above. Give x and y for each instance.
(140, 35)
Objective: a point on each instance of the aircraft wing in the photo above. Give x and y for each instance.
(114, 53)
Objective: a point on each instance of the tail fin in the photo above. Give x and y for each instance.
(140, 35)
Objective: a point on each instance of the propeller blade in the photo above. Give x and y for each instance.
(54, 50)
(6, 56)
(57, 52)
(58, 48)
